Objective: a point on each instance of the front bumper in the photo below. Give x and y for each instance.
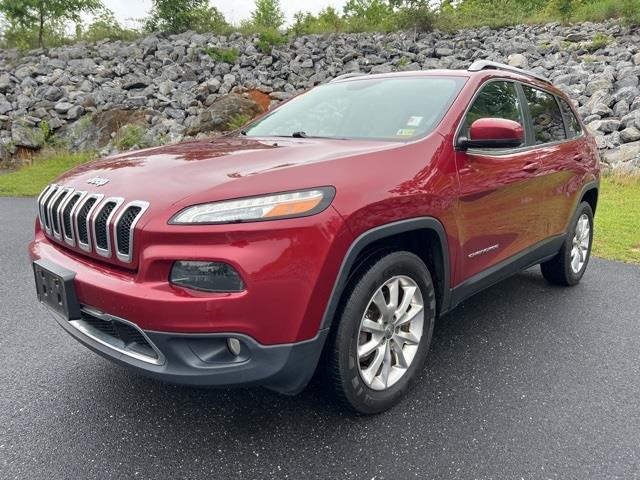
(204, 359)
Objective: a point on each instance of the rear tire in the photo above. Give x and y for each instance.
(381, 335)
(569, 265)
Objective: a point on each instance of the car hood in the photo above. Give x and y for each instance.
(212, 170)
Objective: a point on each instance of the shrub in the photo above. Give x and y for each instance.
(269, 39)
(267, 15)
(599, 41)
(238, 121)
(129, 136)
(226, 55)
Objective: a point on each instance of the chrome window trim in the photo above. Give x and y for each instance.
(45, 212)
(118, 201)
(40, 203)
(71, 239)
(51, 201)
(58, 213)
(108, 340)
(508, 151)
(143, 207)
(98, 196)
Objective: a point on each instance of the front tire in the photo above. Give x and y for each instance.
(569, 265)
(382, 333)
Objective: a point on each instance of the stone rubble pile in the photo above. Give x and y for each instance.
(175, 87)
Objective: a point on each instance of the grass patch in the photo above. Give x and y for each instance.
(617, 225)
(226, 55)
(30, 180)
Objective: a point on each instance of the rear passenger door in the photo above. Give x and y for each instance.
(499, 208)
(558, 137)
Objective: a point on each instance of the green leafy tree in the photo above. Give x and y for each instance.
(42, 14)
(267, 15)
(177, 16)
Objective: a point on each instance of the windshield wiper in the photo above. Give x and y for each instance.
(299, 135)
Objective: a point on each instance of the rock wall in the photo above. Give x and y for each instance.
(172, 87)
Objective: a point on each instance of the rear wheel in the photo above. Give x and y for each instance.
(380, 340)
(569, 265)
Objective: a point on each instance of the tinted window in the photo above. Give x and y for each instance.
(546, 117)
(394, 109)
(573, 125)
(496, 100)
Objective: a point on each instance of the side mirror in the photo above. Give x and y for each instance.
(493, 133)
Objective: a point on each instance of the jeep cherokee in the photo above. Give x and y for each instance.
(328, 234)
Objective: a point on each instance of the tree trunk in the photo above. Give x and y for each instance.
(41, 31)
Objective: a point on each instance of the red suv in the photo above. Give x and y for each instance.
(330, 232)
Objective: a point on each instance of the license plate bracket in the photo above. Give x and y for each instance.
(55, 288)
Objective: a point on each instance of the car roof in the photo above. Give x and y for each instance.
(480, 76)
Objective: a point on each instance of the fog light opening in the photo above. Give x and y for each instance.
(234, 346)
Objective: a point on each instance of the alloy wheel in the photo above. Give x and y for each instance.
(580, 247)
(390, 332)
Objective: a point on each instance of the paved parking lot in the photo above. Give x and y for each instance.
(524, 380)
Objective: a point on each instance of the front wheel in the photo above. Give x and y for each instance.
(569, 265)
(381, 337)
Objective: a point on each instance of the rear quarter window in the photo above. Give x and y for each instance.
(574, 129)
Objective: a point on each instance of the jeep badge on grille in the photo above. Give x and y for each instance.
(98, 181)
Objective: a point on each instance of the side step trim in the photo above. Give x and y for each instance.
(538, 253)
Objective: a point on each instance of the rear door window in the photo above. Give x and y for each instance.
(546, 117)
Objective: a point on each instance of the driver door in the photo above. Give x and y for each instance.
(499, 207)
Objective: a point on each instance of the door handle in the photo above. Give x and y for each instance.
(531, 167)
(578, 157)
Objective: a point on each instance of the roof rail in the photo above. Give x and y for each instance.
(480, 65)
(347, 75)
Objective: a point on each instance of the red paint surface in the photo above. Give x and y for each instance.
(290, 266)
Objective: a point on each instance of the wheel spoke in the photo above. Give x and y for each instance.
(380, 302)
(410, 315)
(366, 348)
(406, 338)
(394, 293)
(397, 350)
(386, 365)
(408, 293)
(371, 326)
(370, 372)
(575, 263)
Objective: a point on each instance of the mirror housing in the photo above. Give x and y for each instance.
(493, 133)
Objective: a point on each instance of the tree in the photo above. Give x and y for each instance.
(27, 13)
(267, 15)
(175, 16)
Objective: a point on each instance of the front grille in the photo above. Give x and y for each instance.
(45, 206)
(67, 224)
(118, 334)
(100, 225)
(86, 220)
(55, 205)
(83, 232)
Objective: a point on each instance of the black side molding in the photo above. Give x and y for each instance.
(538, 253)
(378, 233)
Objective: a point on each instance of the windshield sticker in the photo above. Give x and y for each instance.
(414, 121)
(406, 132)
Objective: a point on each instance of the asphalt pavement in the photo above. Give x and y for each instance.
(524, 381)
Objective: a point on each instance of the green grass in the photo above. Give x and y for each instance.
(617, 223)
(31, 179)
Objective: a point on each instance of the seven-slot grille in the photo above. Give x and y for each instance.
(89, 221)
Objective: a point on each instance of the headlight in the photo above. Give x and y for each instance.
(206, 276)
(270, 207)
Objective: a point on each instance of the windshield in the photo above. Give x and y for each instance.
(398, 109)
